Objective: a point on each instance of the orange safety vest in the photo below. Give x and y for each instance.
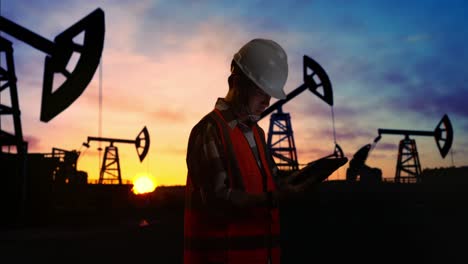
(234, 235)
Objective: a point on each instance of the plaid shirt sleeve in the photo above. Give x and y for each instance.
(206, 164)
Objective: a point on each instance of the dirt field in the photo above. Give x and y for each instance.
(336, 224)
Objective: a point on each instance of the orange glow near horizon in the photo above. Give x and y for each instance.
(143, 184)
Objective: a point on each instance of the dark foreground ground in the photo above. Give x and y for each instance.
(339, 223)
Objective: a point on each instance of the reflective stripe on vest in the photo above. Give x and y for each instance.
(241, 235)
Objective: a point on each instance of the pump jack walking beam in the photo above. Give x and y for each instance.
(58, 56)
(443, 134)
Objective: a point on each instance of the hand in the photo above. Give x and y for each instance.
(287, 193)
(305, 183)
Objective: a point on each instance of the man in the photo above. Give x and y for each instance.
(233, 191)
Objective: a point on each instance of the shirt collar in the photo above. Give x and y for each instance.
(231, 118)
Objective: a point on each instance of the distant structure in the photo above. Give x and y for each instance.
(359, 170)
(66, 170)
(280, 130)
(453, 175)
(408, 167)
(110, 170)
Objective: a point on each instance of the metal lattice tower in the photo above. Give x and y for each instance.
(408, 168)
(8, 83)
(110, 170)
(281, 130)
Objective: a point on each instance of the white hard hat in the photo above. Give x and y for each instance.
(265, 63)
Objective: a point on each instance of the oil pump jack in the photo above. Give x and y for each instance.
(358, 168)
(408, 167)
(110, 169)
(58, 57)
(317, 81)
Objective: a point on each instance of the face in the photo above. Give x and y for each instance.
(258, 100)
(248, 94)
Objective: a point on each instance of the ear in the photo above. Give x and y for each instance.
(230, 81)
(233, 81)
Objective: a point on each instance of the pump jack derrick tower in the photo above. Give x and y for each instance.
(317, 81)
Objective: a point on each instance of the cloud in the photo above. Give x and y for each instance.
(173, 149)
(396, 78)
(306, 155)
(386, 146)
(446, 103)
(170, 116)
(418, 37)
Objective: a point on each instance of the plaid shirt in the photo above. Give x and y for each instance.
(206, 158)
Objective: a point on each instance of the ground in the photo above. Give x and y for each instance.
(335, 224)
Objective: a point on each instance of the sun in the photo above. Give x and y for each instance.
(143, 184)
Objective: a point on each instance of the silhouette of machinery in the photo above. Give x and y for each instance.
(110, 170)
(58, 56)
(358, 169)
(280, 129)
(66, 170)
(84, 40)
(408, 167)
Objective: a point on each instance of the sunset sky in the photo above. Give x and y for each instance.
(393, 64)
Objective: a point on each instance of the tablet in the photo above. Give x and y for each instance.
(318, 170)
